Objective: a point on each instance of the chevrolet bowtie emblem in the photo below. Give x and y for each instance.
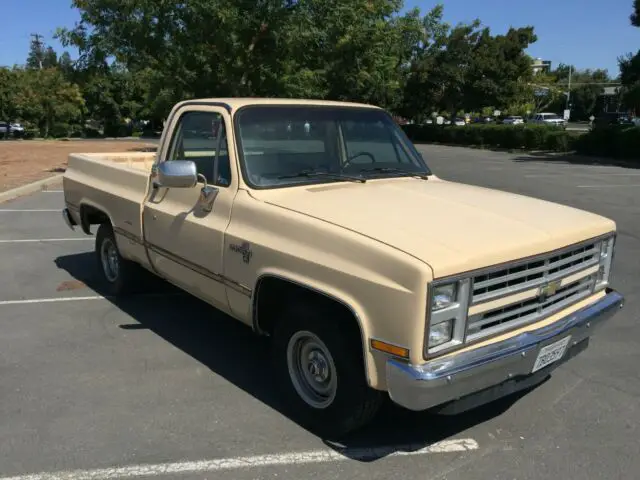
(549, 289)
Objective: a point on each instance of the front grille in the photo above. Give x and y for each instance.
(526, 275)
(527, 311)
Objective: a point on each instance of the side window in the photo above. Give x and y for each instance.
(202, 138)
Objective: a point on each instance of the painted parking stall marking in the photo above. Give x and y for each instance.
(47, 240)
(29, 210)
(257, 461)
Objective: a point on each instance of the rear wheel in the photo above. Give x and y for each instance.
(120, 275)
(320, 370)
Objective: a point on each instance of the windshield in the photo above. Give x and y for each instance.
(291, 145)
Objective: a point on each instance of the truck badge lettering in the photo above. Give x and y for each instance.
(245, 249)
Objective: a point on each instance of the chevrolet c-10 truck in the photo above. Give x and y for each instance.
(319, 225)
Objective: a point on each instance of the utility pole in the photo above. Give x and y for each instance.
(569, 87)
(38, 44)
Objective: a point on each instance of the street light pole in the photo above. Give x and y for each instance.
(569, 88)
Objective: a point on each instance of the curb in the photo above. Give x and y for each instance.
(29, 188)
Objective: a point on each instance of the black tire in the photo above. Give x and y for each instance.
(354, 403)
(126, 277)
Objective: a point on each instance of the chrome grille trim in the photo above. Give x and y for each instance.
(521, 313)
(555, 266)
(512, 278)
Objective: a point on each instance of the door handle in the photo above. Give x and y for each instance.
(208, 195)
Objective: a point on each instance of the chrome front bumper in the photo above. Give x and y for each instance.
(68, 219)
(459, 376)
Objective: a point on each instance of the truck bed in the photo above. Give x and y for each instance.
(115, 183)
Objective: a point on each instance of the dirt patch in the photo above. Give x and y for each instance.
(23, 162)
(70, 285)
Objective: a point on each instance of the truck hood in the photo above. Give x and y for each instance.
(450, 226)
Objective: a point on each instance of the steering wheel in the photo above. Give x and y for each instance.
(359, 154)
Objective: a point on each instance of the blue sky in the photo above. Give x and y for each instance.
(586, 33)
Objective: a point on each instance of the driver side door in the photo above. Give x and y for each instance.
(184, 227)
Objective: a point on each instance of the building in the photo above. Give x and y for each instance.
(540, 66)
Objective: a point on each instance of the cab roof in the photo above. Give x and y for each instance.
(234, 103)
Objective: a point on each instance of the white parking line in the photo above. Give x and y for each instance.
(609, 186)
(52, 191)
(258, 461)
(83, 299)
(39, 240)
(51, 300)
(22, 210)
(533, 175)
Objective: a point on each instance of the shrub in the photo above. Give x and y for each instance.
(59, 130)
(531, 137)
(117, 130)
(616, 141)
(91, 132)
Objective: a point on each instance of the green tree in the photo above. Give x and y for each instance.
(35, 59)
(465, 67)
(342, 49)
(630, 69)
(587, 86)
(45, 98)
(7, 94)
(635, 16)
(630, 79)
(50, 59)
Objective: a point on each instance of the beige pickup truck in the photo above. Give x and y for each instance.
(320, 225)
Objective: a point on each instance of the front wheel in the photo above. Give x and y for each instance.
(320, 370)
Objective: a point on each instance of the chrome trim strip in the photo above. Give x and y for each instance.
(128, 235)
(186, 263)
(549, 266)
(68, 219)
(487, 297)
(419, 387)
(534, 317)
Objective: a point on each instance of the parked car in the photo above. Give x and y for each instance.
(370, 275)
(459, 121)
(513, 120)
(613, 118)
(548, 119)
(14, 129)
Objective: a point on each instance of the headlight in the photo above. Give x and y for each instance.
(440, 333)
(447, 315)
(443, 296)
(606, 257)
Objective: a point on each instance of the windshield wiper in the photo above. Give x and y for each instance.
(423, 176)
(314, 173)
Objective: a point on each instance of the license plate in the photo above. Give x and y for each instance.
(551, 353)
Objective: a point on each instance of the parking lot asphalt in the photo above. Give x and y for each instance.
(162, 386)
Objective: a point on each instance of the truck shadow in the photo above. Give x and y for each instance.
(231, 350)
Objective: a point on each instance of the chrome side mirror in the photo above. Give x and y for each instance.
(177, 174)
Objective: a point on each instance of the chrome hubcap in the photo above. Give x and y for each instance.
(110, 260)
(311, 369)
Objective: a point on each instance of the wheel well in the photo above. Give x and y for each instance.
(272, 293)
(92, 216)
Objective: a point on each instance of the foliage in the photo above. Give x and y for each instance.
(312, 48)
(530, 137)
(466, 67)
(630, 69)
(611, 141)
(47, 99)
